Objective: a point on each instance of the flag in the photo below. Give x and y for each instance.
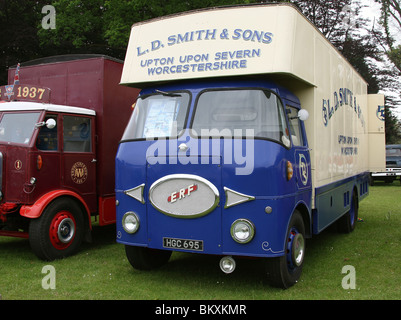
(16, 77)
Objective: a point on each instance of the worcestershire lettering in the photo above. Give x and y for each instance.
(225, 60)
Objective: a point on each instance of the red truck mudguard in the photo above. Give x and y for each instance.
(35, 211)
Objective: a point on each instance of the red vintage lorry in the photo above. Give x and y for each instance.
(61, 119)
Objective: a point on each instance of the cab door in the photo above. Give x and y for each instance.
(79, 157)
(46, 158)
(301, 150)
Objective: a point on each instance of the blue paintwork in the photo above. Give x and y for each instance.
(334, 200)
(267, 183)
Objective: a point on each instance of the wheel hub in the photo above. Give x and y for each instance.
(295, 249)
(66, 230)
(62, 230)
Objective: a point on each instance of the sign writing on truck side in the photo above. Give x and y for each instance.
(203, 62)
(345, 97)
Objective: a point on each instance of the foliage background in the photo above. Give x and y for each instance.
(103, 27)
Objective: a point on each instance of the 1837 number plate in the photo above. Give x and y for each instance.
(185, 244)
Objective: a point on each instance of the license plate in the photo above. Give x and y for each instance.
(184, 244)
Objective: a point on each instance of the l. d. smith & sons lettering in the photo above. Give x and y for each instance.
(209, 34)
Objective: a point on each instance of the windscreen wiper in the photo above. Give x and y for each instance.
(168, 94)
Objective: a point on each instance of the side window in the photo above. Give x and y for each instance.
(295, 126)
(47, 138)
(77, 134)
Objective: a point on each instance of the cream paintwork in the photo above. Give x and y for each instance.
(290, 51)
(376, 134)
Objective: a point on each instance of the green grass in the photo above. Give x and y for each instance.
(101, 271)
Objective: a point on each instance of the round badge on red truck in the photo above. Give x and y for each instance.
(79, 172)
(184, 196)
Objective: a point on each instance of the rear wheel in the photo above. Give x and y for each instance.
(286, 270)
(146, 259)
(347, 222)
(59, 231)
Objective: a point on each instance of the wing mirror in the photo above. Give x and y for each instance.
(50, 124)
(303, 115)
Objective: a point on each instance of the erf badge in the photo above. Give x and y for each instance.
(79, 172)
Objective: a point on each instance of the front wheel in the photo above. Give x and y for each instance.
(146, 259)
(286, 270)
(58, 232)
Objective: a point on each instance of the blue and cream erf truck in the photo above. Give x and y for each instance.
(218, 157)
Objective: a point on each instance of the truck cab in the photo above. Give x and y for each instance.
(45, 149)
(59, 129)
(218, 167)
(393, 165)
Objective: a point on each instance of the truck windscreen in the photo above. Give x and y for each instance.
(239, 113)
(18, 127)
(158, 116)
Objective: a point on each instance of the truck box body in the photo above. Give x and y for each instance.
(269, 40)
(61, 119)
(274, 48)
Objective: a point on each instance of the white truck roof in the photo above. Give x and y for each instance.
(33, 106)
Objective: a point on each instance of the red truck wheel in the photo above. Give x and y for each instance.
(62, 230)
(59, 231)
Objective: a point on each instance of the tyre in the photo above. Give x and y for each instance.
(59, 231)
(347, 222)
(142, 258)
(285, 271)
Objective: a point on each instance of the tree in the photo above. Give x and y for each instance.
(19, 40)
(341, 24)
(393, 125)
(391, 23)
(103, 26)
(80, 28)
(387, 36)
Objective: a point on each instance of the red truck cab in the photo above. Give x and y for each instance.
(59, 131)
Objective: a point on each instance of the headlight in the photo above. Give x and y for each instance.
(242, 230)
(130, 222)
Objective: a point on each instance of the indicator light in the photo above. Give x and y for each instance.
(290, 170)
(39, 162)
